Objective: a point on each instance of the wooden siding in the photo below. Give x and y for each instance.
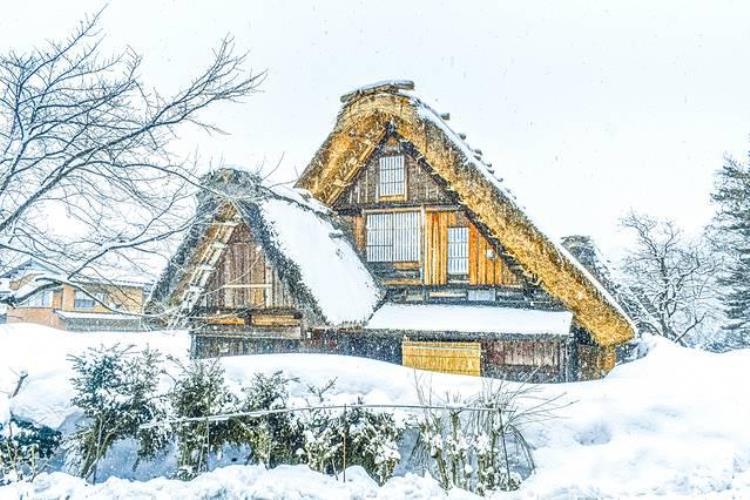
(486, 266)
(463, 358)
(421, 187)
(245, 278)
(537, 360)
(526, 353)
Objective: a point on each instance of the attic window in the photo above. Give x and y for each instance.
(392, 178)
(393, 237)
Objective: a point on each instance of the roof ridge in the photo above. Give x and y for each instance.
(383, 86)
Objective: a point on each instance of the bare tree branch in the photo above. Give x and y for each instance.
(675, 277)
(84, 144)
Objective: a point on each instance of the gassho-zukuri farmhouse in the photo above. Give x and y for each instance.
(399, 243)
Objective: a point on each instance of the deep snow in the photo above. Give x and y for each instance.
(674, 423)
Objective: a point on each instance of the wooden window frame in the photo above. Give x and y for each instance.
(391, 196)
(394, 244)
(458, 265)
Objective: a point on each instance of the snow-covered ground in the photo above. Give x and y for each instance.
(675, 423)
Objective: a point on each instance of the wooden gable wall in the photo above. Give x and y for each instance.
(425, 192)
(421, 185)
(486, 265)
(244, 277)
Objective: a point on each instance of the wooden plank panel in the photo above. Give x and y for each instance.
(274, 320)
(224, 320)
(435, 248)
(429, 253)
(484, 270)
(358, 225)
(463, 358)
(443, 248)
(473, 255)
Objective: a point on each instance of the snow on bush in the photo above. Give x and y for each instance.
(25, 449)
(115, 388)
(360, 436)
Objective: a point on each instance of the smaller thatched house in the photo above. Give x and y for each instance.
(262, 263)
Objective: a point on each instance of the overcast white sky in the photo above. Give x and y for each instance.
(587, 108)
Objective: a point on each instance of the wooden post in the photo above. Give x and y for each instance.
(505, 447)
(345, 433)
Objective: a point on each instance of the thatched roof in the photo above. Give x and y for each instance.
(361, 125)
(302, 238)
(637, 306)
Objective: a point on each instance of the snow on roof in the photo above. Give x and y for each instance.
(112, 316)
(330, 267)
(470, 319)
(29, 287)
(383, 85)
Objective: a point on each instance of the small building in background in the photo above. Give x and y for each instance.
(110, 305)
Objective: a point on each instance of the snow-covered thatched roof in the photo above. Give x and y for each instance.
(301, 237)
(370, 112)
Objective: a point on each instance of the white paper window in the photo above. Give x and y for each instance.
(393, 237)
(458, 251)
(392, 178)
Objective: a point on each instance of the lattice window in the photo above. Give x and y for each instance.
(392, 176)
(458, 251)
(393, 237)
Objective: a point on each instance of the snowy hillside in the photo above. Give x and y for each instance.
(674, 423)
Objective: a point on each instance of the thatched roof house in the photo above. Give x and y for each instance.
(399, 242)
(370, 113)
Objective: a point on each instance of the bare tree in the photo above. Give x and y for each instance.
(85, 145)
(673, 276)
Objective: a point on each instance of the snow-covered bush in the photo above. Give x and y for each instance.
(115, 388)
(200, 391)
(373, 438)
(335, 439)
(477, 444)
(275, 438)
(24, 449)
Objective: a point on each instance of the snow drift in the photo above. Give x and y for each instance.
(673, 423)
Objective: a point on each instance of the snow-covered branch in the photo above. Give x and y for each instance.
(87, 175)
